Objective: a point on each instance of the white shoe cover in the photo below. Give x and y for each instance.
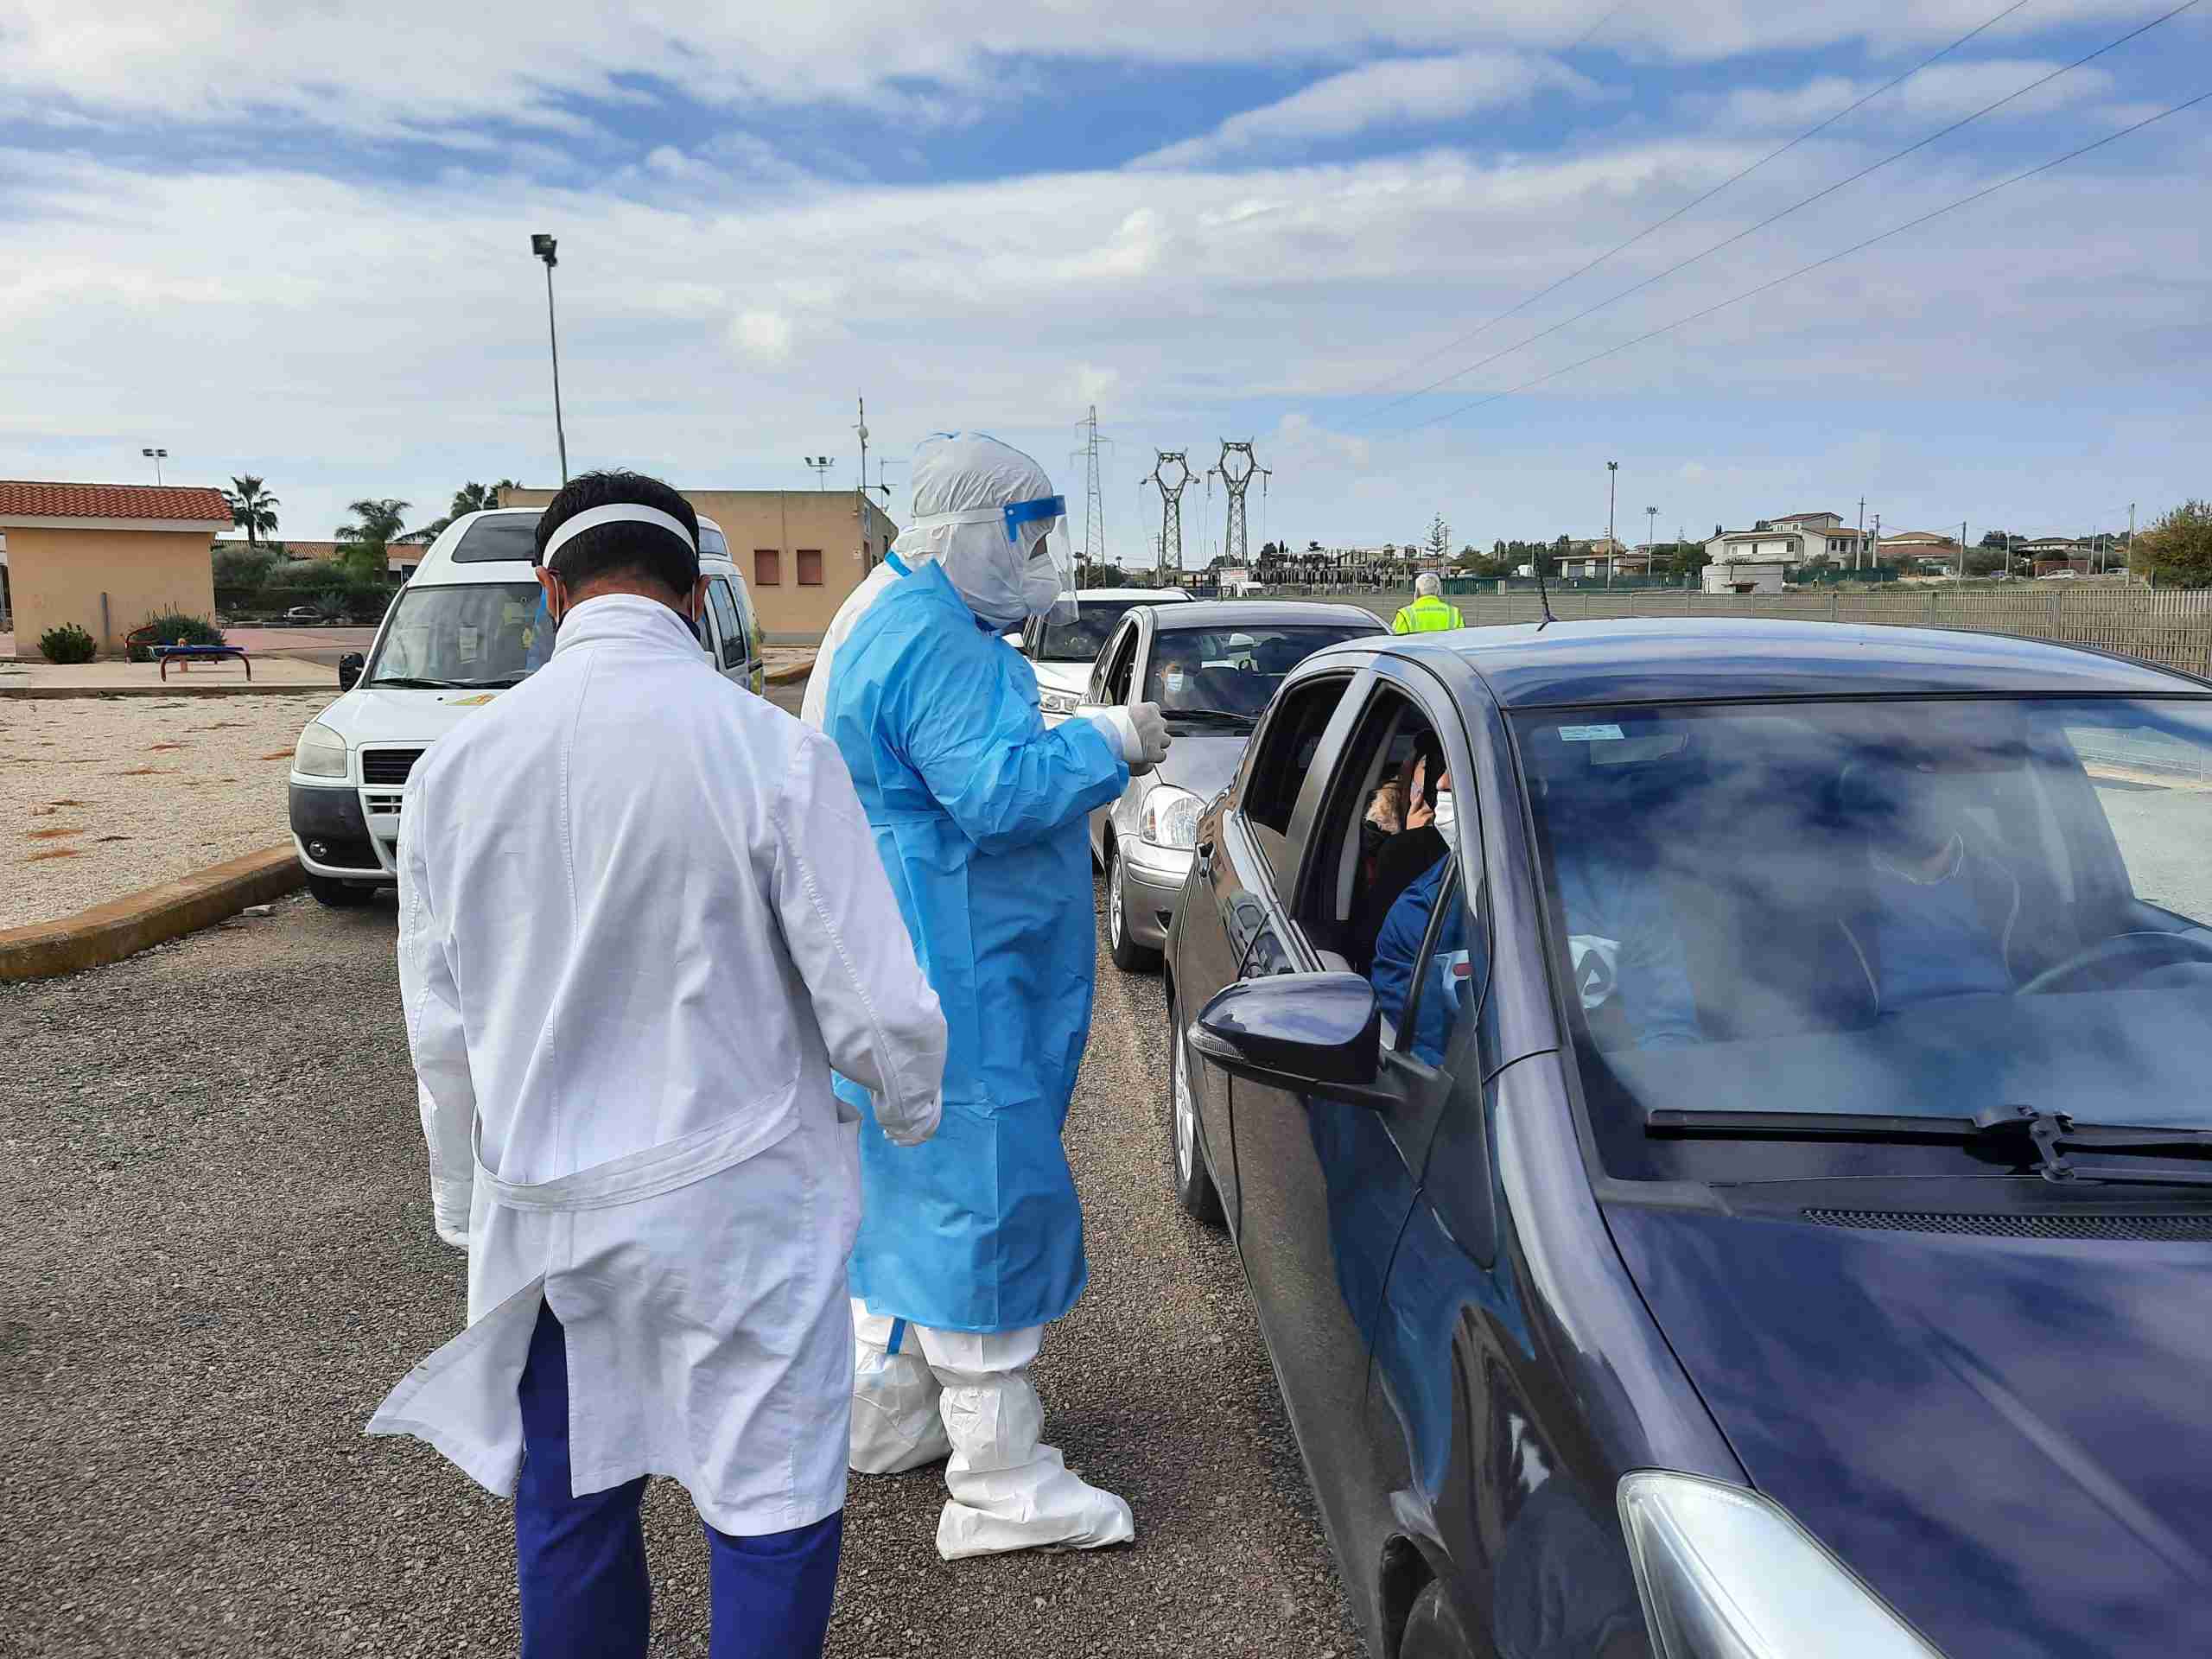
(896, 1426)
(1010, 1491)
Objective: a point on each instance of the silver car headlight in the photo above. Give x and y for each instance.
(320, 753)
(1726, 1574)
(1059, 703)
(1170, 818)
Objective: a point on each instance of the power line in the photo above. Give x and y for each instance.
(1844, 253)
(1661, 224)
(1771, 218)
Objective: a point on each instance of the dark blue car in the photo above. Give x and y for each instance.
(1736, 1183)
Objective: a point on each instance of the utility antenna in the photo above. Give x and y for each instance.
(1237, 482)
(1094, 509)
(1171, 503)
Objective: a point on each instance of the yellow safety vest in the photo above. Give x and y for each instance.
(1428, 614)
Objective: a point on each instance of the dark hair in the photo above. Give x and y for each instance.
(641, 550)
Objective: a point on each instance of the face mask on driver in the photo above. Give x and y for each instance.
(1446, 816)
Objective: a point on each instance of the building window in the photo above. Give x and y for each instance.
(810, 567)
(767, 567)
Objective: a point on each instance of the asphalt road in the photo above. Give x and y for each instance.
(216, 1256)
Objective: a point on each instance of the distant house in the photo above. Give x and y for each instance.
(1921, 549)
(106, 557)
(1794, 539)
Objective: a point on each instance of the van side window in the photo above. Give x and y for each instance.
(727, 623)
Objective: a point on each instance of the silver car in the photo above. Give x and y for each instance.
(1212, 666)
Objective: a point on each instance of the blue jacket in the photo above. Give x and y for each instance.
(980, 816)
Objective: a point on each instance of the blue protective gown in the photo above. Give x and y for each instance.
(980, 814)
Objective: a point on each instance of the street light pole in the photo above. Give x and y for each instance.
(157, 456)
(544, 247)
(821, 464)
(1612, 489)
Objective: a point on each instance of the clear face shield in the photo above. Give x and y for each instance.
(1041, 526)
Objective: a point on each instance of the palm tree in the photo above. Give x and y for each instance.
(376, 525)
(471, 497)
(253, 510)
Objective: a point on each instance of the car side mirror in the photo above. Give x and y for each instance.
(349, 670)
(1307, 1033)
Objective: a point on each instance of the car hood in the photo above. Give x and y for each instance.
(368, 715)
(2005, 1436)
(1202, 762)
(1071, 678)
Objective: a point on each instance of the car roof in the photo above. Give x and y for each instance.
(1264, 613)
(437, 568)
(1666, 659)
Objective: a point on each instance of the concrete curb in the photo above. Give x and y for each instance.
(56, 693)
(122, 927)
(794, 671)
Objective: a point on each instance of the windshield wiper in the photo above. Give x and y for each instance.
(405, 683)
(2047, 1137)
(1217, 717)
(500, 682)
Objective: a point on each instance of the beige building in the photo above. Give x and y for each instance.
(802, 551)
(106, 557)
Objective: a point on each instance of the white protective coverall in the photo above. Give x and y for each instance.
(641, 916)
(922, 1392)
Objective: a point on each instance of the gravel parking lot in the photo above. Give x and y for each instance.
(216, 1256)
(101, 796)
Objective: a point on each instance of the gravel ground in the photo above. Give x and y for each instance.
(216, 1256)
(102, 796)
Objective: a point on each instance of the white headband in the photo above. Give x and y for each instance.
(618, 512)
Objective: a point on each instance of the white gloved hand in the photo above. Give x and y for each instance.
(1141, 734)
(450, 1203)
(913, 1134)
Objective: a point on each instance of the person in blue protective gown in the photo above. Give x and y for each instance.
(970, 1247)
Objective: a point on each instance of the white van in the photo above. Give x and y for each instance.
(466, 627)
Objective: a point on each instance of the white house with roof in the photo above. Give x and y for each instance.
(1757, 557)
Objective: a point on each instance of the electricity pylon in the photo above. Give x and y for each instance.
(1171, 503)
(1094, 509)
(1232, 550)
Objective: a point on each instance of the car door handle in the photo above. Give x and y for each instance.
(1205, 850)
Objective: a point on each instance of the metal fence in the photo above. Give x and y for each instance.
(2170, 626)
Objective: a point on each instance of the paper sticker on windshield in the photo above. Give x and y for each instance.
(1597, 968)
(1589, 734)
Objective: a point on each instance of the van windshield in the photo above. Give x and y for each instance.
(483, 634)
(1918, 908)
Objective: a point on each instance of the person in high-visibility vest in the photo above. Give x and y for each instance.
(1428, 614)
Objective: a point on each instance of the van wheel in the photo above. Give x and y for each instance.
(1128, 955)
(1186, 1163)
(338, 895)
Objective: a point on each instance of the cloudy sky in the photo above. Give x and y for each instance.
(292, 238)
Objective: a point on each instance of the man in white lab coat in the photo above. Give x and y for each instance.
(641, 918)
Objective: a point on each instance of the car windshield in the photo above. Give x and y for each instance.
(1922, 908)
(1231, 672)
(476, 634)
(1081, 640)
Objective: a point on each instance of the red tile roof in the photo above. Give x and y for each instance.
(20, 499)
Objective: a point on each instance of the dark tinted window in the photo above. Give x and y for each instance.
(499, 536)
(1084, 638)
(727, 623)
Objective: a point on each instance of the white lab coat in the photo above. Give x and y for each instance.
(641, 916)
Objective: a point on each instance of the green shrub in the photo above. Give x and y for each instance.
(69, 644)
(170, 628)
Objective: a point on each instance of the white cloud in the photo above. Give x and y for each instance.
(717, 337)
(417, 66)
(1395, 92)
(1944, 92)
(765, 337)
